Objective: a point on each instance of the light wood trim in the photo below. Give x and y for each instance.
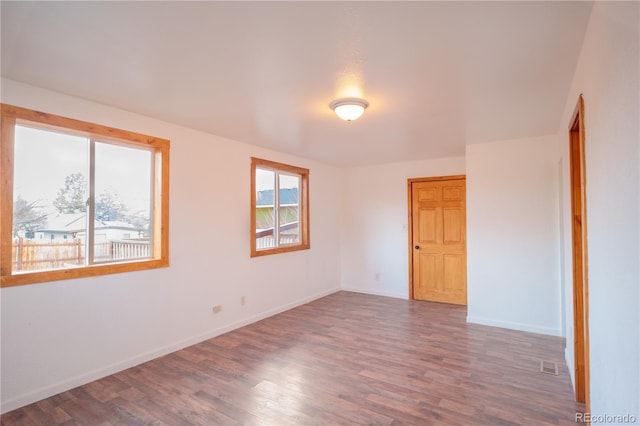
(304, 211)
(279, 250)
(166, 173)
(278, 166)
(410, 231)
(437, 178)
(81, 272)
(579, 254)
(12, 115)
(7, 129)
(305, 241)
(81, 127)
(252, 231)
(410, 216)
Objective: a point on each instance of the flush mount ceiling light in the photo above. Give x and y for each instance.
(349, 109)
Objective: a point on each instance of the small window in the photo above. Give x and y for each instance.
(279, 208)
(68, 177)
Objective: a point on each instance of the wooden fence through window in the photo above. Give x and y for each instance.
(32, 255)
(289, 234)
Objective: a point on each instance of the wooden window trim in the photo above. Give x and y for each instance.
(10, 115)
(304, 206)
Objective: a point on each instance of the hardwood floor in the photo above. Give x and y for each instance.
(344, 359)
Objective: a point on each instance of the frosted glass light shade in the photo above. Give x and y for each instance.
(349, 109)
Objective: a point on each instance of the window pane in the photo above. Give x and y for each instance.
(289, 209)
(49, 199)
(122, 227)
(281, 201)
(52, 175)
(265, 214)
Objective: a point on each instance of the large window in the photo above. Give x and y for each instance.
(79, 199)
(279, 208)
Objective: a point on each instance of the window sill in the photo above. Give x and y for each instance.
(267, 252)
(81, 272)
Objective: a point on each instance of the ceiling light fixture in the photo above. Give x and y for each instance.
(349, 109)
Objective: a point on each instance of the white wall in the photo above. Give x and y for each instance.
(512, 229)
(607, 74)
(374, 246)
(61, 334)
(58, 335)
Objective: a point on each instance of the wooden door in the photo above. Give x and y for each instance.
(438, 240)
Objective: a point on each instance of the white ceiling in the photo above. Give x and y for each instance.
(437, 75)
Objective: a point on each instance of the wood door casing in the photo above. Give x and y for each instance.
(579, 255)
(438, 260)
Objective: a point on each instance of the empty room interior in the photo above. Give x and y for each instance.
(314, 213)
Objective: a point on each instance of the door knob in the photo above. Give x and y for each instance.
(417, 247)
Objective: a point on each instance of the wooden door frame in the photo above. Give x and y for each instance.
(410, 216)
(579, 254)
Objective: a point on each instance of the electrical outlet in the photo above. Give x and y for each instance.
(217, 309)
(243, 300)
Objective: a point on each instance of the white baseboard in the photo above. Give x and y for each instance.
(261, 316)
(56, 388)
(515, 326)
(376, 292)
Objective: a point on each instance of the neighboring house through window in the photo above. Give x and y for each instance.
(73, 194)
(279, 208)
